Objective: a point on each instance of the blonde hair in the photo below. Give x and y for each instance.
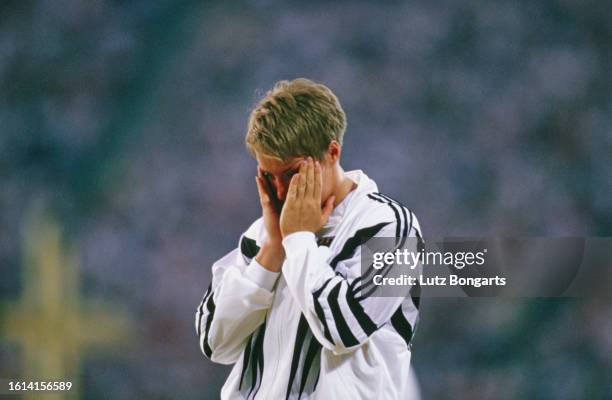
(295, 118)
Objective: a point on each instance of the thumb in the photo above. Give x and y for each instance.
(327, 209)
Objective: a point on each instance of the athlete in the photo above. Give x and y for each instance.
(290, 307)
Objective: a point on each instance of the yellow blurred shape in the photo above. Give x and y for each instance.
(49, 322)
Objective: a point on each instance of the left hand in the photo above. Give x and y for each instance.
(302, 210)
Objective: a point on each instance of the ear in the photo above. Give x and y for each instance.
(333, 152)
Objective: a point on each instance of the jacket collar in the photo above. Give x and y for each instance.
(364, 185)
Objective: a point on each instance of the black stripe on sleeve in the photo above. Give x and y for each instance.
(395, 205)
(398, 227)
(364, 320)
(248, 248)
(405, 232)
(360, 237)
(351, 245)
(210, 306)
(256, 363)
(260, 361)
(347, 337)
(357, 285)
(415, 293)
(319, 310)
(314, 348)
(418, 234)
(297, 350)
(370, 287)
(403, 208)
(401, 325)
(245, 361)
(200, 312)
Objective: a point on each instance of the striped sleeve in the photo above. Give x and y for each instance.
(344, 312)
(234, 304)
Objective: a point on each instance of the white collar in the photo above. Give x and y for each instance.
(364, 185)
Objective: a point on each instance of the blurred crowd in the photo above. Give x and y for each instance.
(126, 121)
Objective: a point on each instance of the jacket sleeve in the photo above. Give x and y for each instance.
(342, 312)
(234, 304)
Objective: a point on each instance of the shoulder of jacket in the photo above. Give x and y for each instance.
(377, 207)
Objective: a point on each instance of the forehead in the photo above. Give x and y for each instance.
(275, 165)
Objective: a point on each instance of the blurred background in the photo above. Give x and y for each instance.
(123, 174)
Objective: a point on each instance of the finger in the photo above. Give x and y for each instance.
(302, 180)
(318, 182)
(310, 179)
(264, 198)
(292, 192)
(327, 209)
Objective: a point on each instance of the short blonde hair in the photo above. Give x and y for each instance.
(295, 118)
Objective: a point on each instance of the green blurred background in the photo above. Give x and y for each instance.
(123, 174)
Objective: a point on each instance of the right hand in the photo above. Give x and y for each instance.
(271, 215)
(271, 254)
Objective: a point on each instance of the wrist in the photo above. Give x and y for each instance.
(271, 255)
(261, 276)
(298, 240)
(290, 231)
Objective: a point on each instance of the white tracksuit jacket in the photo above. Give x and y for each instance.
(314, 331)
